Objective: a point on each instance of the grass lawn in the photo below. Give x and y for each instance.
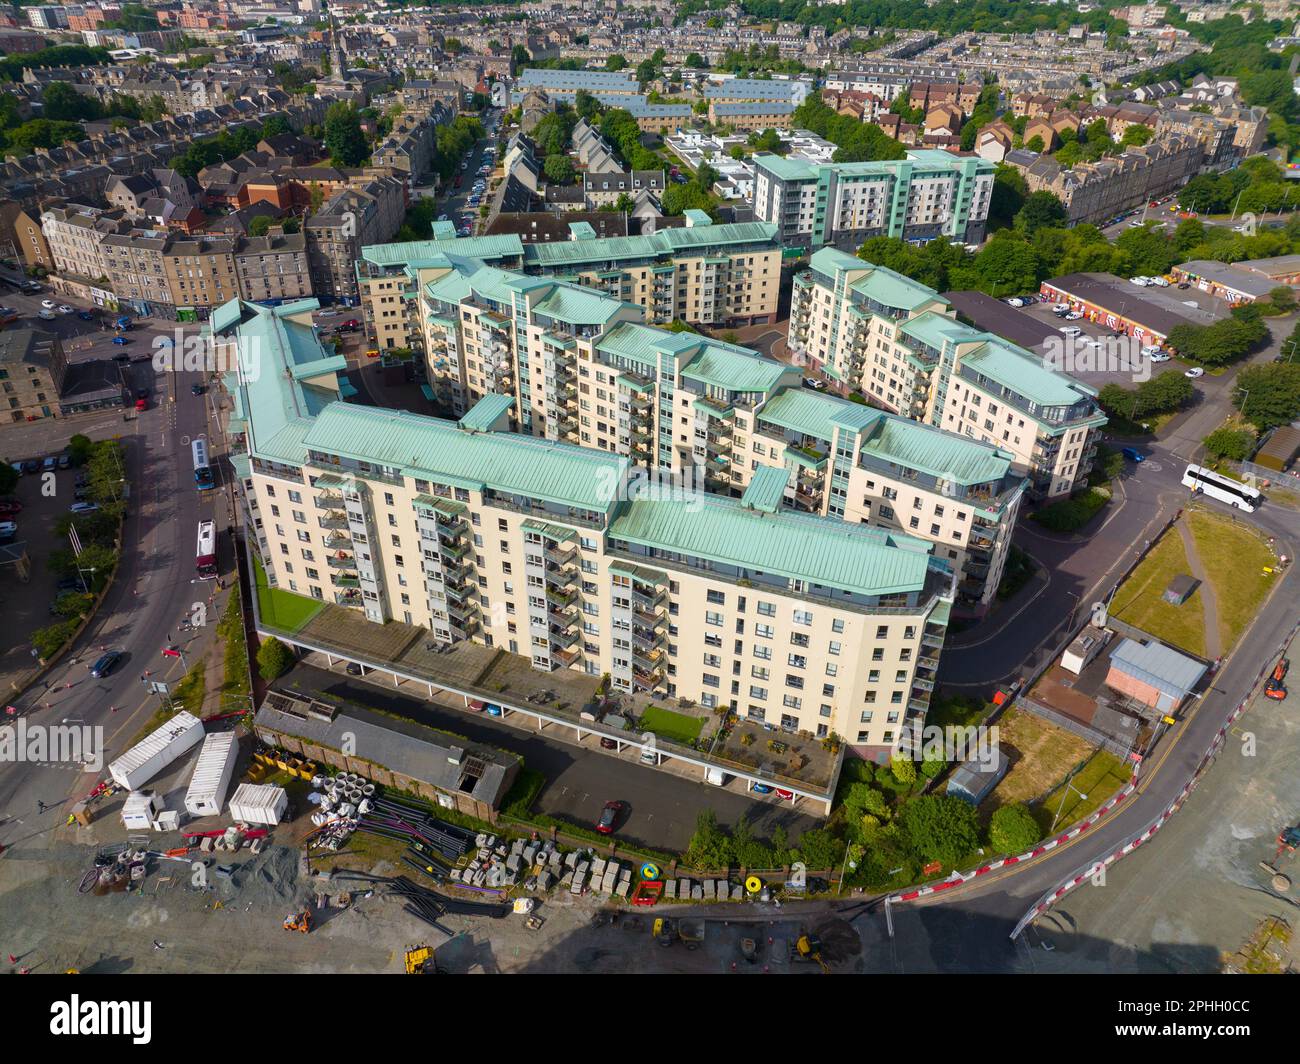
(1041, 754)
(282, 609)
(1070, 515)
(1138, 600)
(672, 726)
(1101, 777)
(1234, 558)
(955, 710)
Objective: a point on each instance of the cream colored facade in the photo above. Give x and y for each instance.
(541, 548)
(74, 234)
(894, 340)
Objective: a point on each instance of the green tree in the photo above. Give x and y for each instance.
(344, 137)
(615, 62)
(1041, 209)
(1236, 444)
(8, 478)
(903, 768)
(558, 169)
(259, 225)
(1012, 829)
(79, 449)
(940, 828)
(1034, 143)
(1268, 396)
(274, 659)
(695, 61)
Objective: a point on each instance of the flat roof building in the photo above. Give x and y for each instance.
(1123, 307)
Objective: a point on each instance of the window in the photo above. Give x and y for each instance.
(714, 619)
(717, 598)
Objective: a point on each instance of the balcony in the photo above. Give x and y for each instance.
(648, 600)
(645, 681)
(647, 640)
(348, 598)
(648, 619)
(563, 638)
(455, 551)
(560, 577)
(932, 640)
(339, 541)
(327, 500)
(926, 662)
(344, 581)
(567, 658)
(557, 597)
(335, 561)
(562, 616)
(649, 662)
(334, 519)
(561, 555)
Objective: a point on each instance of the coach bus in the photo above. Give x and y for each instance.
(1225, 489)
(205, 556)
(202, 471)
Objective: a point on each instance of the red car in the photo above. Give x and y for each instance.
(1274, 690)
(10, 509)
(609, 817)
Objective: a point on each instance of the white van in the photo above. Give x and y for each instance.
(716, 777)
(649, 756)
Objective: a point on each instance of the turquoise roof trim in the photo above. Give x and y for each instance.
(766, 489)
(737, 369)
(926, 449)
(825, 551)
(804, 410)
(484, 414)
(432, 449)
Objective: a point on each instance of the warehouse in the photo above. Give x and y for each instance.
(1147, 314)
(1280, 269)
(1228, 282)
(398, 753)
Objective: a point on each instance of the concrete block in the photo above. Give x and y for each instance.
(670, 890)
(683, 888)
(607, 883)
(544, 881)
(530, 854)
(480, 840)
(597, 867)
(720, 890)
(697, 892)
(709, 890)
(737, 892)
(624, 888)
(513, 863)
(571, 859)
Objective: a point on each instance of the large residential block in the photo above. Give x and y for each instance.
(874, 331)
(929, 194)
(711, 274)
(548, 551)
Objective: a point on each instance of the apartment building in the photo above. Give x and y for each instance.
(137, 274)
(573, 365)
(369, 212)
(200, 274)
(711, 274)
(752, 117)
(929, 194)
(31, 367)
(21, 237)
(810, 624)
(74, 234)
(756, 90)
(274, 267)
(871, 330)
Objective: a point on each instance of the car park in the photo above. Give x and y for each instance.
(1195, 372)
(105, 664)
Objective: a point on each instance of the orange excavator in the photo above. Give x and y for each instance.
(299, 921)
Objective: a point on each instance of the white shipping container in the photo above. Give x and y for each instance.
(258, 803)
(211, 779)
(156, 751)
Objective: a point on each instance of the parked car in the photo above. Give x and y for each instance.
(354, 669)
(1133, 455)
(813, 382)
(1074, 315)
(105, 664)
(197, 389)
(787, 795)
(83, 508)
(1071, 330)
(10, 509)
(1195, 372)
(1141, 282)
(609, 816)
(8, 529)
(49, 464)
(1159, 282)
(31, 466)
(1014, 302)
(46, 315)
(121, 341)
(65, 460)
(760, 788)
(1158, 356)
(85, 315)
(606, 743)
(63, 308)
(48, 304)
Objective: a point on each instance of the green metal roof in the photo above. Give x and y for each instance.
(931, 450)
(642, 344)
(433, 449)
(736, 369)
(576, 305)
(486, 412)
(1021, 372)
(894, 290)
(825, 551)
(275, 354)
(831, 260)
(934, 329)
(666, 242)
(470, 247)
(810, 412)
(767, 488)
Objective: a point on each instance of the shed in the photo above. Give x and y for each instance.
(1085, 646)
(1180, 589)
(211, 779)
(258, 803)
(139, 809)
(1153, 675)
(973, 780)
(1280, 450)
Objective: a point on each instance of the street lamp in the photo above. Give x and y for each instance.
(1069, 786)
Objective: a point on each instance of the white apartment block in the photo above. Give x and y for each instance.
(874, 331)
(807, 623)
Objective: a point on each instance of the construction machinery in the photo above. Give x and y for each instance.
(420, 961)
(691, 932)
(808, 948)
(664, 931)
(298, 921)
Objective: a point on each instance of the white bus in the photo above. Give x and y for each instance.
(1225, 489)
(205, 555)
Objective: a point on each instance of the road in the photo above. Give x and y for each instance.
(967, 928)
(154, 588)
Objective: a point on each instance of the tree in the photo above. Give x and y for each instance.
(903, 768)
(62, 103)
(1236, 444)
(940, 828)
(1268, 396)
(646, 72)
(558, 169)
(274, 659)
(8, 478)
(1041, 209)
(343, 135)
(79, 449)
(615, 62)
(259, 225)
(695, 61)
(1283, 298)
(1012, 829)
(1034, 143)
(275, 126)
(1135, 136)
